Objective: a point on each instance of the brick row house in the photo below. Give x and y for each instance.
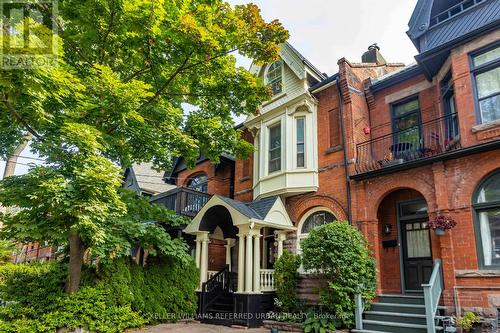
(385, 146)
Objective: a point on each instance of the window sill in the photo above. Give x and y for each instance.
(487, 130)
(334, 149)
(477, 273)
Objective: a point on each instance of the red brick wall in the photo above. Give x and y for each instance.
(243, 180)
(219, 180)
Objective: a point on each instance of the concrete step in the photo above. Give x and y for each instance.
(392, 327)
(402, 299)
(398, 308)
(396, 317)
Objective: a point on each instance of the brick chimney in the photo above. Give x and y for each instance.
(373, 55)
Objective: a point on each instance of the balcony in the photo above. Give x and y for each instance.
(419, 142)
(182, 200)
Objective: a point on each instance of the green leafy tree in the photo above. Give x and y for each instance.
(116, 97)
(286, 278)
(340, 253)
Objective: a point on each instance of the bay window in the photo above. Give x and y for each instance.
(275, 148)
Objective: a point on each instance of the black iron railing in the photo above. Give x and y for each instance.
(424, 140)
(183, 201)
(221, 283)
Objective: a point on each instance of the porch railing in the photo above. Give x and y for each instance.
(220, 283)
(432, 294)
(267, 280)
(421, 141)
(182, 200)
(360, 308)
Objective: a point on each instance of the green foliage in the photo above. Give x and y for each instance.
(7, 249)
(119, 296)
(124, 71)
(468, 320)
(319, 323)
(340, 253)
(286, 280)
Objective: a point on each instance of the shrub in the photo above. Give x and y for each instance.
(340, 253)
(468, 320)
(119, 296)
(286, 280)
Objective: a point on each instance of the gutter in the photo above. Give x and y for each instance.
(346, 166)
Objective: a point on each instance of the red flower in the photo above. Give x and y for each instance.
(442, 222)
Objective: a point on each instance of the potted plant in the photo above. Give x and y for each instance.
(442, 223)
(469, 322)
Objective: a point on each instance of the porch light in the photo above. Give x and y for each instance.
(387, 229)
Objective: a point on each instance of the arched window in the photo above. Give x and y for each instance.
(274, 77)
(313, 219)
(199, 183)
(486, 204)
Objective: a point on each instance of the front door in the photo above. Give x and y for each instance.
(416, 244)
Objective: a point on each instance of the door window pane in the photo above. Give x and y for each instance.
(418, 242)
(275, 148)
(414, 208)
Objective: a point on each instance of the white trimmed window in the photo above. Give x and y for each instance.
(274, 148)
(314, 218)
(301, 133)
(274, 77)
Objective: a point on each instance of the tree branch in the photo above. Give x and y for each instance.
(108, 31)
(16, 115)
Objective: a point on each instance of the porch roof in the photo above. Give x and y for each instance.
(268, 212)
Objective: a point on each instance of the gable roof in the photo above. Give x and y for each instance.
(147, 179)
(255, 209)
(299, 65)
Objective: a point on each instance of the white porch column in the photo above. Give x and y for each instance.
(241, 262)
(198, 253)
(280, 238)
(203, 237)
(249, 263)
(256, 261)
(228, 246)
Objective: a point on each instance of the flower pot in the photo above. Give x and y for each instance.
(439, 232)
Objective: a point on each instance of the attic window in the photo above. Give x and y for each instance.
(274, 77)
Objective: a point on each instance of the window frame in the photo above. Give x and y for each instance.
(203, 184)
(303, 143)
(269, 128)
(271, 82)
(447, 89)
(477, 208)
(304, 218)
(418, 112)
(474, 71)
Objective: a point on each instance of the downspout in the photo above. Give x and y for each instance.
(346, 167)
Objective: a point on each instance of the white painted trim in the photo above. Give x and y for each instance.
(326, 86)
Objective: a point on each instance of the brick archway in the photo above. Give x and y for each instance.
(297, 210)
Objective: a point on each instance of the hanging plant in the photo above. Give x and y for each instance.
(441, 223)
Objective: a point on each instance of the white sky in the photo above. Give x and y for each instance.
(327, 30)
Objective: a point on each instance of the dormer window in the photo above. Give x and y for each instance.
(274, 77)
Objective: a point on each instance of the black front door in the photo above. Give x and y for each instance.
(416, 247)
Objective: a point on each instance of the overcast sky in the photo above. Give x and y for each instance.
(327, 30)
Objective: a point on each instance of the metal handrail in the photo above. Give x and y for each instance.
(432, 294)
(216, 286)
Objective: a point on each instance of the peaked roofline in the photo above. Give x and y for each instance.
(306, 62)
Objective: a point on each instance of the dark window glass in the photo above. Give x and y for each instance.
(486, 71)
(300, 142)
(274, 77)
(199, 183)
(315, 220)
(406, 125)
(275, 148)
(487, 208)
(451, 120)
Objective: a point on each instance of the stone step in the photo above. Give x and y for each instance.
(402, 299)
(395, 317)
(392, 327)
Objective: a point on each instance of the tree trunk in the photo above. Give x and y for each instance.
(10, 165)
(75, 262)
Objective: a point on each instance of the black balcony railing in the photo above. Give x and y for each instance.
(182, 200)
(424, 140)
